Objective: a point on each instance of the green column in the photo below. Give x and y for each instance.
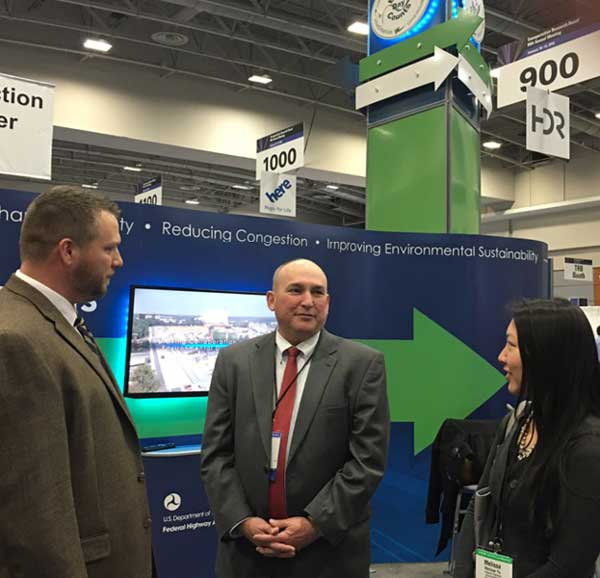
(423, 165)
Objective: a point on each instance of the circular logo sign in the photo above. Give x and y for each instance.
(392, 18)
(172, 502)
(476, 7)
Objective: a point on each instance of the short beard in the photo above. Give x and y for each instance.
(86, 286)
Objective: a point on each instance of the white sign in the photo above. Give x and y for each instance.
(548, 123)
(151, 192)
(564, 65)
(492, 565)
(391, 19)
(434, 69)
(278, 194)
(26, 113)
(579, 269)
(280, 152)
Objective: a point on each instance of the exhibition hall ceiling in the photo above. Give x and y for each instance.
(302, 45)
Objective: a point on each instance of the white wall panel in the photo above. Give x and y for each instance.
(547, 184)
(497, 182)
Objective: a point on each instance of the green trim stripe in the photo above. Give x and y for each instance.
(493, 556)
(481, 67)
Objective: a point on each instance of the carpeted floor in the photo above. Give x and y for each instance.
(409, 570)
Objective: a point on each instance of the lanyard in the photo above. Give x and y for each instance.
(289, 385)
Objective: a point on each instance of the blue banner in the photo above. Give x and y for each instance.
(435, 304)
(183, 531)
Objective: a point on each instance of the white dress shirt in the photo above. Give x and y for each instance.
(306, 348)
(63, 305)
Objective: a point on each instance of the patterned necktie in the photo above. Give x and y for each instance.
(281, 424)
(88, 337)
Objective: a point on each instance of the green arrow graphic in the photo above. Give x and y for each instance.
(454, 32)
(433, 377)
(481, 67)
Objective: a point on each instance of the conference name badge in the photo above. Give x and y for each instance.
(275, 443)
(492, 565)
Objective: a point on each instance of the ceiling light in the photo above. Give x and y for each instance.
(260, 79)
(168, 38)
(133, 169)
(192, 202)
(97, 44)
(332, 187)
(241, 187)
(598, 115)
(358, 27)
(492, 145)
(86, 186)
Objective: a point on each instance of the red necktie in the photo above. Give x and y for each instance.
(281, 424)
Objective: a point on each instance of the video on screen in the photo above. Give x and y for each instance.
(175, 335)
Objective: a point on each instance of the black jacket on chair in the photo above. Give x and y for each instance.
(458, 455)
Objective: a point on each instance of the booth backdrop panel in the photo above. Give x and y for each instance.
(434, 304)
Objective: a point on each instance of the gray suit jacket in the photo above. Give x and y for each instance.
(336, 459)
(72, 493)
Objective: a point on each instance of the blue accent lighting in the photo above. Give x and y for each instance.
(423, 23)
(377, 43)
(454, 8)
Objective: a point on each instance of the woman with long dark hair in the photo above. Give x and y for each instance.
(538, 502)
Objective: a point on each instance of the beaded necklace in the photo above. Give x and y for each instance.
(525, 445)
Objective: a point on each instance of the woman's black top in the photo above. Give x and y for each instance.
(571, 551)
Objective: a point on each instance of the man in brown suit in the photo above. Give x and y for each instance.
(72, 493)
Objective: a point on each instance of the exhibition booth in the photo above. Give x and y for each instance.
(435, 305)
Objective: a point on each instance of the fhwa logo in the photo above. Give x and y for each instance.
(172, 502)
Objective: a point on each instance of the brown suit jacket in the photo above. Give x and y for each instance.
(72, 493)
(337, 455)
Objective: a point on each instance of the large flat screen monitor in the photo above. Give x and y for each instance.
(174, 336)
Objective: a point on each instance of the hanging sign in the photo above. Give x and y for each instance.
(150, 192)
(280, 152)
(564, 65)
(548, 123)
(278, 194)
(578, 269)
(26, 113)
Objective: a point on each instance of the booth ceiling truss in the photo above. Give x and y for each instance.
(303, 45)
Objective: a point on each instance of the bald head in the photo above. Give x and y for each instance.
(299, 299)
(297, 265)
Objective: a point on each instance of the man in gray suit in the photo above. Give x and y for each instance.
(295, 442)
(72, 493)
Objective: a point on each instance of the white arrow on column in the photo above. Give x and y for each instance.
(469, 77)
(433, 69)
